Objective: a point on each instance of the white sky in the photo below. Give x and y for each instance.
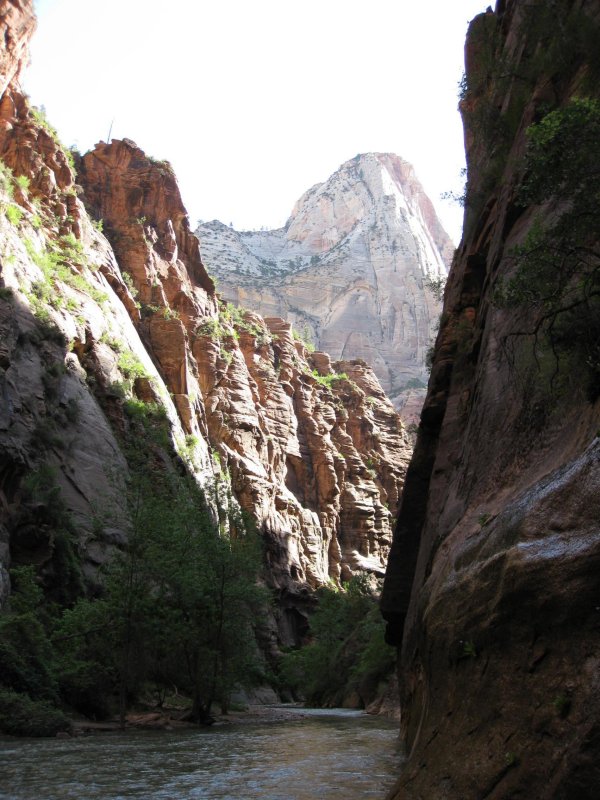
(254, 101)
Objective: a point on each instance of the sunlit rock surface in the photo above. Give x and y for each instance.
(350, 269)
(17, 24)
(319, 467)
(105, 302)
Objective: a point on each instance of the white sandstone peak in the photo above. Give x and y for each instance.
(350, 267)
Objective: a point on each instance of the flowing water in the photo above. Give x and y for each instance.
(325, 755)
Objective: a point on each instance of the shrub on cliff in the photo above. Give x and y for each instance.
(557, 268)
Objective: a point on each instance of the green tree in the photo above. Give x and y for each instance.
(178, 609)
(26, 656)
(86, 669)
(347, 651)
(28, 686)
(208, 596)
(177, 606)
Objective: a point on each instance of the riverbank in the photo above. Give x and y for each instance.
(173, 717)
(170, 719)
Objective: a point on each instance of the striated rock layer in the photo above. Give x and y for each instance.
(350, 269)
(493, 581)
(305, 459)
(100, 313)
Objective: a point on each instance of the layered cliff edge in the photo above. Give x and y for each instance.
(105, 304)
(493, 580)
(353, 268)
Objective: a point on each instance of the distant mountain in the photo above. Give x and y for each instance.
(350, 269)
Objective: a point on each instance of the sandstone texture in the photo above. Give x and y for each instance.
(350, 270)
(493, 581)
(17, 24)
(66, 338)
(306, 459)
(105, 305)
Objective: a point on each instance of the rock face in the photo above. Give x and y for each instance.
(350, 269)
(491, 584)
(306, 459)
(17, 25)
(100, 313)
(67, 345)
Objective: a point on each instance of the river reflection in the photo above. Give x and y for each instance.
(326, 755)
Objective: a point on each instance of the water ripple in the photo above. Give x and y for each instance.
(333, 756)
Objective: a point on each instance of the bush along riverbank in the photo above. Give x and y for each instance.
(177, 608)
(345, 661)
(158, 653)
(179, 611)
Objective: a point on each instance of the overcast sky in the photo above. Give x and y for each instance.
(254, 101)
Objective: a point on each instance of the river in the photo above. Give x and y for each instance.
(321, 754)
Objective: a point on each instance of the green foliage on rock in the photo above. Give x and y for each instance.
(231, 321)
(502, 79)
(436, 286)
(214, 328)
(7, 180)
(22, 182)
(305, 338)
(131, 366)
(60, 262)
(13, 213)
(39, 115)
(556, 274)
(43, 507)
(329, 380)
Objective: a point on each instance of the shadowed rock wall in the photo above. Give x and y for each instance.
(492, 584)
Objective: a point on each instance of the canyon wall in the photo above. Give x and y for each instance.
(353, 270)
(493, 581)
(106, 312)
(17, 25)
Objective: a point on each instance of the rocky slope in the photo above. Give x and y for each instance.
(101, 314)
(349, 270)
(493, 580)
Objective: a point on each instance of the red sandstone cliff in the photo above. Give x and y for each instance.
(96, 313)
(492, 584)
(17, 24)
(319, 468)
